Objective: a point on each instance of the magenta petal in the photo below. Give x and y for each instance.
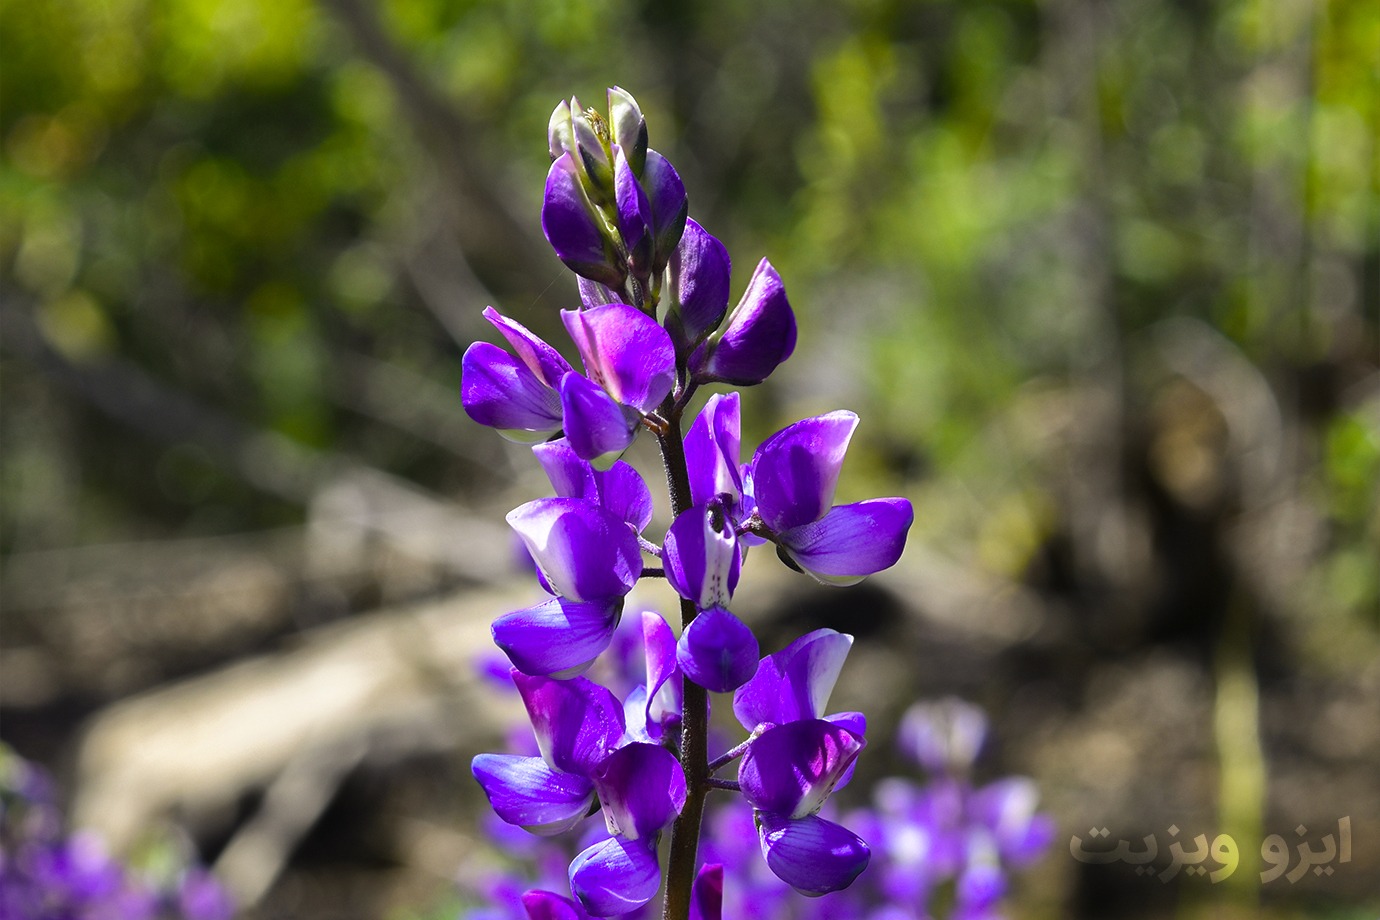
(576, 722)
(790, 769)
(701, 557)
(527, 792)
(851, 541)
(756, 338)
(795, 682)
(626, 352)
(707, 894)
(559, 638)
(712, 449)
(615, 876)
(596, 427)
(499, 391)
(567, 219)
(698, 282)
(641, 788)
(717, 651)
(585, 552)
(541, 359)
(547, 905)
(795, 471)
(810, 854)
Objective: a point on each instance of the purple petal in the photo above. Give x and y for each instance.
(585, 552)
(641, 788)
(626, 352)
(697, 285)
(615, 876)
(757, 337)
(621, 489)
(634, 213)
(712, 450)
(717, 651)
(596, 427)
(576, 722)
(499, 391)
(791, 769)
(659, 644)
(794, 683)
(707, 894)
(795, 471)
(567, 219)
(594, 294)
(701, 558)
(810, 854)
(559, 638)
(851, 541)
(527, 792)
(666, 195)
(541, 359)
(547, 905)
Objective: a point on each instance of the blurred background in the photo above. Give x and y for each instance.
(1102, 281)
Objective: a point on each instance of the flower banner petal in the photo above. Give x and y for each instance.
(584, 551)
(576, 722)
(795, 471)
(794, 683)
(791, 769)
(541, 359)
(626, 352)
(596, 427)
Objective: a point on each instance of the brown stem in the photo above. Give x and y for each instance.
(694, 753)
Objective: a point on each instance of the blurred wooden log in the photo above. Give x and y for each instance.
(391, 685)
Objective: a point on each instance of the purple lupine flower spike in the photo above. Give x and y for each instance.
(758, 336)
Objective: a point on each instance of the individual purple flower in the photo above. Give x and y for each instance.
(589, 557)
(757, 337)
(517, 395)
(793, 477)
(640, 788)
(943, 736)
(630, 363)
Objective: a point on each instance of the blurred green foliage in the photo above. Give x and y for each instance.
(980, 208)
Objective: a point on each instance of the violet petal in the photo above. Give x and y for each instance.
(547, 905)
(615, 876)
(707, 894)
(795, 471)
(795, 682)
(541, 359)
(717, 651)
(812, 855)
(527, 792)
(576, 722)
(626, 352)
(697, 282)
(712, 448)
(567, 219)
(670, 207)
(559, 638)
(790, 769)
(758, 336)
(641, 788)
(851, 541)
(499, 391)
(620, 489)
(596, 427)
(585, 552)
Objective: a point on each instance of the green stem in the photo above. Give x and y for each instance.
(694, 752)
